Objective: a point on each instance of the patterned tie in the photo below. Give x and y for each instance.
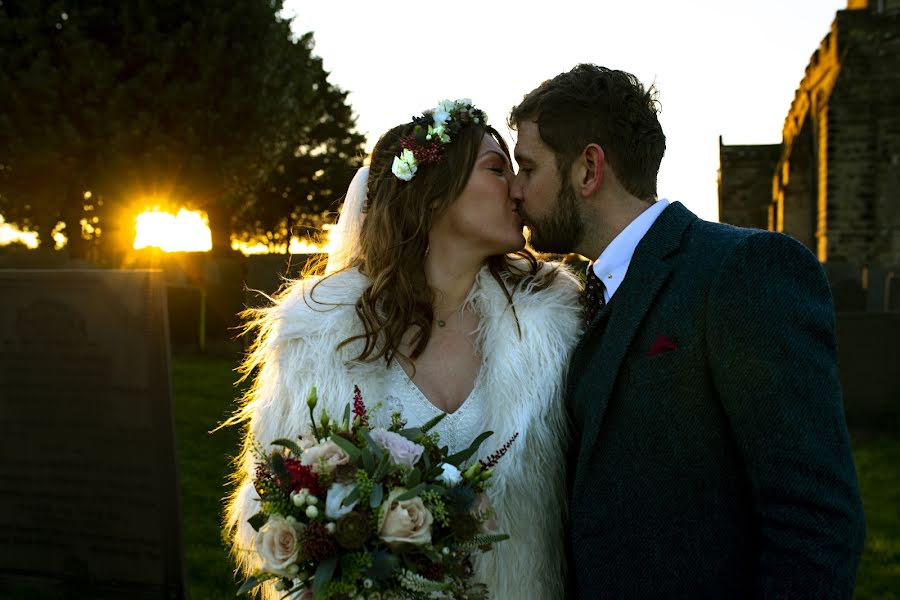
(592, 298)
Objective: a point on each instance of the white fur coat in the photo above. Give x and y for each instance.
(522, 379)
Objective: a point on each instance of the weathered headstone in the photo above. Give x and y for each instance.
(89, 501)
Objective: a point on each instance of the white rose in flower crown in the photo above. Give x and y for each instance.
(336, 494)
(446, 106)
(402, 451)
(440, 116)
(450, 474)
(404, 166)
(325, 457)
(277, 545)
(405, 522)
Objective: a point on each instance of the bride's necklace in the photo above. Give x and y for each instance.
(443, 322)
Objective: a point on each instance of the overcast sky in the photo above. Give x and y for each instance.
(722, 67)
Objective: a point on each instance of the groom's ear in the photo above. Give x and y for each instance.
(590, 169)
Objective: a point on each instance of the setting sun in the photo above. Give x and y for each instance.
(188, 231)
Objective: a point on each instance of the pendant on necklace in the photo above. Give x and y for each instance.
(441, 323)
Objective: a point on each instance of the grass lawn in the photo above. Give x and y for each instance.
(203, 399)
(878, 466)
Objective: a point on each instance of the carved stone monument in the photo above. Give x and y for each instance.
(89, 500)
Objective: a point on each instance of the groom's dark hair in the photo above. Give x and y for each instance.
(596, 105)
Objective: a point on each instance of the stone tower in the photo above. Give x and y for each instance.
(834, 182)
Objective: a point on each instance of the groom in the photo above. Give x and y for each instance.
(710, 456)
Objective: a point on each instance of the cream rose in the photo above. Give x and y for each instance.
(325, 457)
(276, 543)
(402, 451)
(406, 521)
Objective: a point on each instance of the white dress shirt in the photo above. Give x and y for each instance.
(613, 263)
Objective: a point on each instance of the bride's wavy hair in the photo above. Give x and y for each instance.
(394, 240)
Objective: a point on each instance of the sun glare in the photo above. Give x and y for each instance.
(188, 231)
(10, 235)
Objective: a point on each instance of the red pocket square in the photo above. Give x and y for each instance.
(661, 345)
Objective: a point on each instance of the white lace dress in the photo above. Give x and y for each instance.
(457, 430)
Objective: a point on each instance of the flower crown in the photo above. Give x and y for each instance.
(433, 130)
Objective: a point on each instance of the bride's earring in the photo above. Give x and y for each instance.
(427, 249)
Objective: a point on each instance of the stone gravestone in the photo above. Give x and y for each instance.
(89, 501)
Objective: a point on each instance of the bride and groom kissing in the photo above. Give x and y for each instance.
(679, 415)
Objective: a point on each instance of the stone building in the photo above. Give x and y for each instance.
(834, 181)
(834, 184)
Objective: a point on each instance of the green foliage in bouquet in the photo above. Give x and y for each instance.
(354, 510)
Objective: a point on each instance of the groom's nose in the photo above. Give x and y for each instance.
(515, 189)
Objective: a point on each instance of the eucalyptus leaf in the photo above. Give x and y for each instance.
(347, 447)
(382, 469)
(433, 422)
(276, 461)
(412, 492)
(383, 565)
(376, 450)
(346, 422)
(248, 585)
(352, 497)
(258, 520)
(295, 449)
(377, 496)
(412, 434)
(323, 575)
(367, 461)
(251, 582)
(461, 457)
(413, 478)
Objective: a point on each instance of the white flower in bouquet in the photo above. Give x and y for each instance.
(404, 166)
(406, 521)
(277, 544)
(402, 451)
(336, 495)
(325, 457)
(484, 510)
(450, 475)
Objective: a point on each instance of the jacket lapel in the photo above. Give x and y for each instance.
(581, 358)
(648, 271)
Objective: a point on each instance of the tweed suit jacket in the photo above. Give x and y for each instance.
(721, 468)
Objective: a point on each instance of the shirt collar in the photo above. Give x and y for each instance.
(612, 265)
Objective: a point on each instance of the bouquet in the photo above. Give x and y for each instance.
(351, 511)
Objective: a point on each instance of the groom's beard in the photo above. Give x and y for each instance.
(562, 230)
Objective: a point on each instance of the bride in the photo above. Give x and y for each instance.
(431, 305)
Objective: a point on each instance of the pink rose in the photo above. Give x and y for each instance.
(402, 451)
(325, 457)
(277, 545)
(406, 521)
